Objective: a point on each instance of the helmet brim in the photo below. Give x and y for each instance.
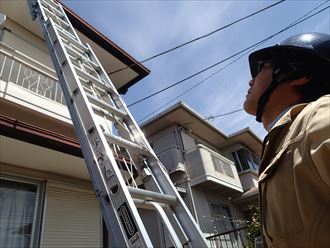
(270, 53)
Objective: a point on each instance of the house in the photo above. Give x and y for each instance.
(215, 174)
(46, 197)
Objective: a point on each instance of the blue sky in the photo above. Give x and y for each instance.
(145, 28)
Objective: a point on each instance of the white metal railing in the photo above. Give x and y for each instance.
(19, 69)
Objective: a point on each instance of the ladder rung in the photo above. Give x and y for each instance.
(71, 39)
(49, 5)
(129, 145)
(152, 196)
(106, 106)
(53, 4)
(87, 77)
(101, 112)
(57, 18)
(145, 204)
(84, 58)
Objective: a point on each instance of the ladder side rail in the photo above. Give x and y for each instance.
(66, 72)
(72, 30)
(116, 235)
(132, 125)
(182, 213)
(111, 175)
(108, 212)
(173, 235)
(158, 170)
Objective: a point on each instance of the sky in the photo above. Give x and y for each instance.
(146, 28)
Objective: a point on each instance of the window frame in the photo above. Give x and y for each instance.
(38, 214)
(221, 217)
(250, 160)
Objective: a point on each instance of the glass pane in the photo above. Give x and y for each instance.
(17, 205)
(216, 210)
(256, 161)
(237, 164)
(249, 159)
(243, 160)
(227, 218)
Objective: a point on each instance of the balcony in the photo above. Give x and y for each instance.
(172, 159)
(28, 82)
(210, 170)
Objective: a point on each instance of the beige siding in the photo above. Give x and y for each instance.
(72, 218)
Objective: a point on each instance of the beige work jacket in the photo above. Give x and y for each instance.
(294, 178)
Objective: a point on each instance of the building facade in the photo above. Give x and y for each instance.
(215, 174)
(46, 197)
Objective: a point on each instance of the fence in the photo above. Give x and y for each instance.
(23, 71)
(231, 239)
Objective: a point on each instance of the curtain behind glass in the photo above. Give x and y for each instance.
(17, 205)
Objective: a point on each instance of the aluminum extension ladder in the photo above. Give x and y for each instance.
(124, 169)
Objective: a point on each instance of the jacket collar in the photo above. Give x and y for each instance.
(284, 121)
(289, 115)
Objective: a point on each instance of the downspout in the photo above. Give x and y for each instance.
(187, 177)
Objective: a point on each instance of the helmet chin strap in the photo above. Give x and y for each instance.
(265, 96)
(275, 81)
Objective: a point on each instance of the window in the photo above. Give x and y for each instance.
(221, 217)
(244, 160)
(19, 207)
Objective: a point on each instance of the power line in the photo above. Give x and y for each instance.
(212, 117)
(196, 39)
(224, 67)
(232, 56)
(195, 85)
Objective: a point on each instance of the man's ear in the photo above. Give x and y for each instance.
(300, 81)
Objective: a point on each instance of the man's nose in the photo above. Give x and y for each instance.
(251, 82)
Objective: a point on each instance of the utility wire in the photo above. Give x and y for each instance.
(222, 68)
(196, 39)
(232, 56)
(212, 117)
(195, 85)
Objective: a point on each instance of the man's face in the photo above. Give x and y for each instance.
(258, 85)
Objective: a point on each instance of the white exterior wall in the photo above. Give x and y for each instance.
(27, 74)
(204, 213)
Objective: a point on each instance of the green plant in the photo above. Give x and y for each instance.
(254, 225)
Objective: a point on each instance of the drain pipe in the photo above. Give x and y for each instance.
(187, 177)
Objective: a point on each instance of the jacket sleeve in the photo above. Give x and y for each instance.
(318, 138)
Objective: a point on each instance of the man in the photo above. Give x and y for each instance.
(290, 94)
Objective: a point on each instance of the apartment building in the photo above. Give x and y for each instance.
(46, 197)
(215, 174)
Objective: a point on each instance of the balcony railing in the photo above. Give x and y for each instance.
(19, 69)
(208, 167)
(236, 238)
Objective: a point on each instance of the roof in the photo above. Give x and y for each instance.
(111, 56)
(181, 114)
(88, 30)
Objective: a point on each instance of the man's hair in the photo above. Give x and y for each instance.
(302, 65)
(319, 83)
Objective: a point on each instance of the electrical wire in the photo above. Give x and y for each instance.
(222, 68)
(228, 58)
(196, 39)
(194, 86)
(212, 117)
